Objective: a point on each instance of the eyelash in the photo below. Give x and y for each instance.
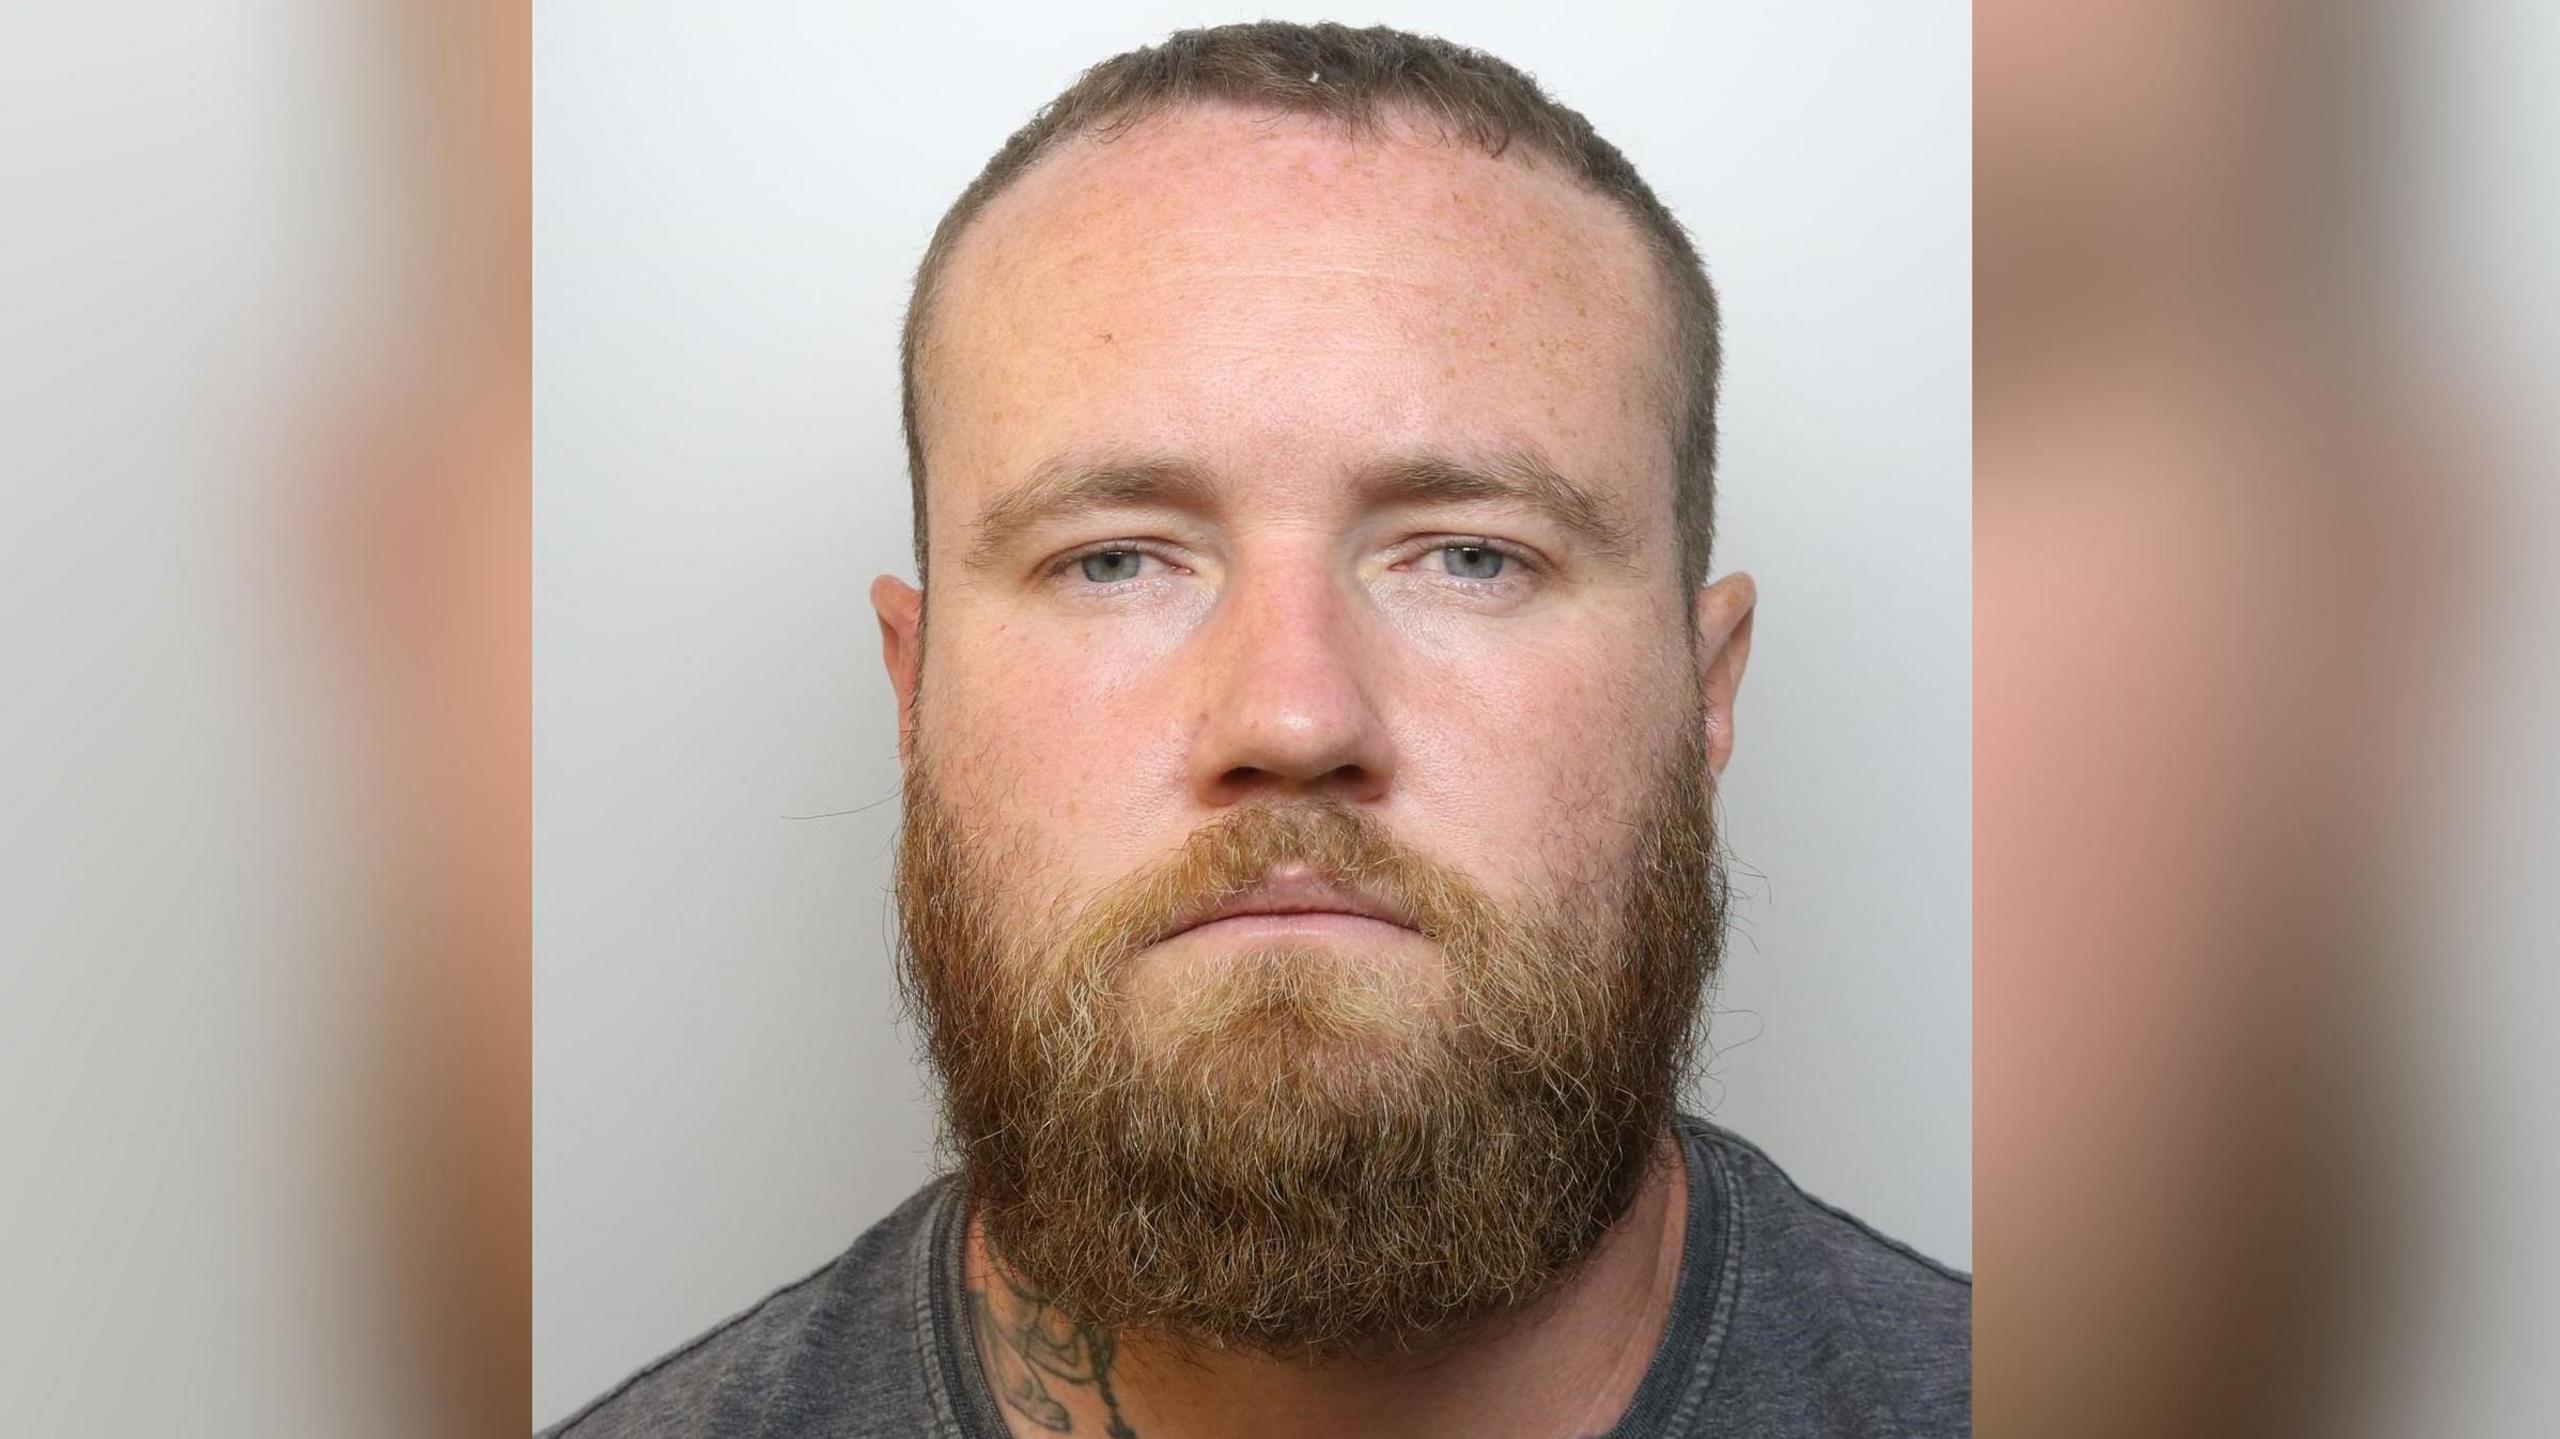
(1066, 565)
(1511, 555)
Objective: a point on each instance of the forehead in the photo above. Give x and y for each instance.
(1265, 293)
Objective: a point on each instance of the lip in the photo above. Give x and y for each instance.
(1294, 900)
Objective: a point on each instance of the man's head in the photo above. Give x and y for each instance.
(1307, 882)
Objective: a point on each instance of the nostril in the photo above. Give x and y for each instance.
(1244, 779)
(1278, 735)
(1345, 781)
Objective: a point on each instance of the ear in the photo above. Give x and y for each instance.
(1725, 609)
(901, 609)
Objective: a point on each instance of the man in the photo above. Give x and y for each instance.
(1311, 708)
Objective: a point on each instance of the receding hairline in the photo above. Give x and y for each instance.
(1399, 122)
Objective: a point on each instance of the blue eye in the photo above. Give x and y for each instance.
(1105, 567)
(1473, 562)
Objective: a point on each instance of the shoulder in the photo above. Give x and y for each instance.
(1837, 1245)
(1834, 1312)
(725, 1381)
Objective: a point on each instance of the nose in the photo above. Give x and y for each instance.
(1287, 710)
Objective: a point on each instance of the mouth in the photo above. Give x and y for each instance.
(1294, 903)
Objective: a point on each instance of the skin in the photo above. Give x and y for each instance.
(1280, 315)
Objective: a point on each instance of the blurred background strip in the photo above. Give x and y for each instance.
(264, 957)
(2264, 788)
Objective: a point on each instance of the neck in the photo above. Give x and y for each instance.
(1567, 1363)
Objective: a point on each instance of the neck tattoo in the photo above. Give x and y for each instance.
(1027, 1347)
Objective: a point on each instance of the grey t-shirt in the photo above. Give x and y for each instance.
(1791, 1319)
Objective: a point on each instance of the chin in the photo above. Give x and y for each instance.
(1307, 1008)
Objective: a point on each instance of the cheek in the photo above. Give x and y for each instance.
(1532, 761)
(1061, 744)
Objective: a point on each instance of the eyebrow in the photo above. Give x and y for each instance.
(1069, 485)
(1518, 476)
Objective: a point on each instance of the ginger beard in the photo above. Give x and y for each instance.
(1291, 1152)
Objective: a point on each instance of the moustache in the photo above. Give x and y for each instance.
(1323, 846)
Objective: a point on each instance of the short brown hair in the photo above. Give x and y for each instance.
(1358, 78)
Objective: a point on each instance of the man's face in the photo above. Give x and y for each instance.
(1288, 317)
(1276, 475)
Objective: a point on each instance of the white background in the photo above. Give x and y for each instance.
(729, 201)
